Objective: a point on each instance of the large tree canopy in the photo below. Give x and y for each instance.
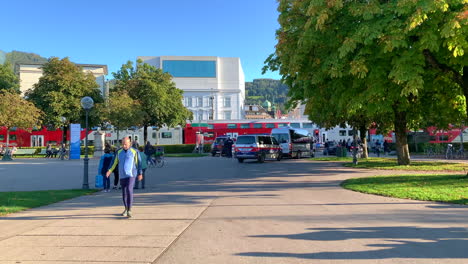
(378, 60)
(160, 100)
(17, 112)
(59, 91)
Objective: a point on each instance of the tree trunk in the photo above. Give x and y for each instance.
(363, 135)
(465, 86)
(118, 144)
(145, 134)
(400, 124)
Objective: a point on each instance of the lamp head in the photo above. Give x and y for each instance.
(87, 102)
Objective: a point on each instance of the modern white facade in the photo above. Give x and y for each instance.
(214, 87)
(30, 73)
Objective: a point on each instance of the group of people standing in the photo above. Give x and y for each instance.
(129, 166)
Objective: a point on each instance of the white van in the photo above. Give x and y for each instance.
(294, 142)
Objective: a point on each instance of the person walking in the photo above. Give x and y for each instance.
(144, 165)
(128, 162)
(104, 165)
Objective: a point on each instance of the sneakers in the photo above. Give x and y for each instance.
(125, 212)
(115, 187)
(129, 214)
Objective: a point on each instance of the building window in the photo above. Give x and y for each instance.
(227, 101)
(210, 126)
(232, 126)
(189, 101)
(306, 125)
(245, 125)
(227, 115)
(166, 134)
(153, 135)
(200, 101)
(350, 133)
(210, 115)
(257, 125)
(200, 115)
(270, 125)
(296, 125)
(12, 137)
(342, 133)
(282, 125)
(2, 137)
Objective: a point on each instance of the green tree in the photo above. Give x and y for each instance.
(17, 112)
(59, 91)
(121, 111)
(8, 79)
(159, 98)
(390, 55)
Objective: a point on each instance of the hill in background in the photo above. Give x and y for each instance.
(20, 57)
(260, 90)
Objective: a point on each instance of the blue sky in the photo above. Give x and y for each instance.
(112, 32)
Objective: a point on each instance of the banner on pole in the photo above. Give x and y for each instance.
(75, 131)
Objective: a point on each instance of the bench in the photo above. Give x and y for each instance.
(20, 152)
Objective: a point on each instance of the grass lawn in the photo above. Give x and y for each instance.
(12, 202)
(184, 155)
(391, 164)
(438, 187)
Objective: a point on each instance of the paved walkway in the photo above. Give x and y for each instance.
(214, 210)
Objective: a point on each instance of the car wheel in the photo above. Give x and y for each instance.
(240, 160)
(261, 158)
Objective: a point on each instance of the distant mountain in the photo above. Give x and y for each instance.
(260, 90)
(15, 57)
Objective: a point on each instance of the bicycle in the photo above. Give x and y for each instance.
(156, 161)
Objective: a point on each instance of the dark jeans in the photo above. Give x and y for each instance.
(127, 191)
(137, 183)
(116, 177)
(106, 182)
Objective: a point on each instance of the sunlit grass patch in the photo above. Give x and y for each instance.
(442, 188)
(12, 202)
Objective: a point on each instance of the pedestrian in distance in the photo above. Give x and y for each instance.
(377, 148)
(144, 166)
(104, 165)
(128, 162)
(228, 143)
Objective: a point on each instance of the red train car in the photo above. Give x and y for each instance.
(234, 128)
(35, 138)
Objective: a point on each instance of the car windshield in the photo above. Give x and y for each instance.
(245, 140)
(281, 138)
(220, 140)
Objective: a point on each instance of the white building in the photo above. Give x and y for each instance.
(214, 87)
(30, 73)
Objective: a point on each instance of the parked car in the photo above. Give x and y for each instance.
(217, 146)
(330, 148)
(259, 147)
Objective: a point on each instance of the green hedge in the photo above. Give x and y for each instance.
(39, 149)
(182, 148)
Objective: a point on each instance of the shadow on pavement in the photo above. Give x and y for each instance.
(439, 243)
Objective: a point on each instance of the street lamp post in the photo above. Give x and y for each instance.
(87, 103)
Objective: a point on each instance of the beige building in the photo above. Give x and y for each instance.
(30, 73)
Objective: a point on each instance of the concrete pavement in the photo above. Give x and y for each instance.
(214, 210)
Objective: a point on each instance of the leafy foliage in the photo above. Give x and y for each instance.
(17, 112)
(375, 61)
(59, 91)
(260, 90)
(8, 79)
(121, 110)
